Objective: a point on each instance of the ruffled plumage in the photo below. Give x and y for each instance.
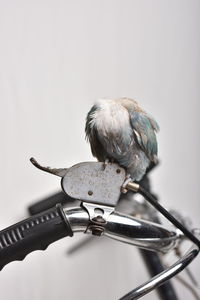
(121, 131)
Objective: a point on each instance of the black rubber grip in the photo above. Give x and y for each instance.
(34, 233)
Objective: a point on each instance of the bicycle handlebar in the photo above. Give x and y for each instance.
(39, 231)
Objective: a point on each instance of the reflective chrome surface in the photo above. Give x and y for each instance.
(162, 277)
(143, 234)
(140, 233)
(77, 217)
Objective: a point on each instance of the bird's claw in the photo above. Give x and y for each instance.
(107, 162)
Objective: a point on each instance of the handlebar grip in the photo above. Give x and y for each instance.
(34, 233)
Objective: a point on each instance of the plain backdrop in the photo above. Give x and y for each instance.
(56, 58)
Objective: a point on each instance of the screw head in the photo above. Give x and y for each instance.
(97, 230)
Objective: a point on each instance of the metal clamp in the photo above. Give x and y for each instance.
(98, 215)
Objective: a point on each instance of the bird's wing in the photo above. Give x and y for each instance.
(116, 143)
(144, 128)
(106, 143)
(92, 136)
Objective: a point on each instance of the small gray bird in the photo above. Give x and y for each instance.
(121, 131)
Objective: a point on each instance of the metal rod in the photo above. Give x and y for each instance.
(154, 265)
(163, 276)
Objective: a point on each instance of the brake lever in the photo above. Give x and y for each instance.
(91, 182)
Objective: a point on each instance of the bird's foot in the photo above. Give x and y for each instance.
(107, 162)
(126, 181)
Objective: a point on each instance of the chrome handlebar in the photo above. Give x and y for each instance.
(143, 234)
(127, 229)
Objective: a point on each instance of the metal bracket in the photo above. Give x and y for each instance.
(98, 215)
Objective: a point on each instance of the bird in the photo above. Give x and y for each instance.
(120, 131)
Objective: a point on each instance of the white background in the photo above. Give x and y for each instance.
(56, 58)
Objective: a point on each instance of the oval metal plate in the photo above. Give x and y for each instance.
(94, 182)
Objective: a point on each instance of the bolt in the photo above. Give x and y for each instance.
(97, 230)
(99, 220)
(90, 193)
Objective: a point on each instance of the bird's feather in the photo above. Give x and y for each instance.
(121, 131)
(144, 128)
(92, 136)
